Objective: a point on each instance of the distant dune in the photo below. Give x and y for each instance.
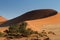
(2, 19)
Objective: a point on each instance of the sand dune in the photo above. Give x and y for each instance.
(49, 24)
(39, 20)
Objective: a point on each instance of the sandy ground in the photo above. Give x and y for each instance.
(3, 29)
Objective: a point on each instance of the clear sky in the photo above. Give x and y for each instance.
(13, 8)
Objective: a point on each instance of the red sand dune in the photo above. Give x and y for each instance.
(2, 19)
(49, 21)
(49, 24)
(32, 15)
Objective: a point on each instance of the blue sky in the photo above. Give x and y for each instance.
(13, 8)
